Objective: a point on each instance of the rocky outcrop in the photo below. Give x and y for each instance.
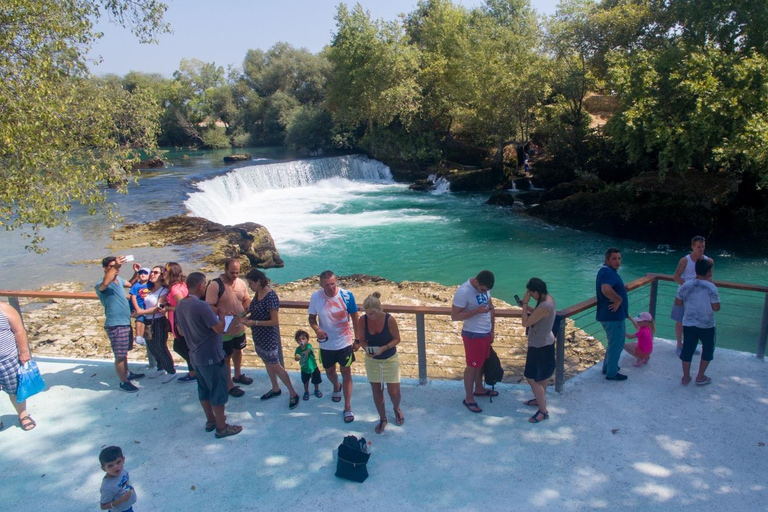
(151, 163)
(501, 198)
(251, 243)
(237, 158)
(475, 180)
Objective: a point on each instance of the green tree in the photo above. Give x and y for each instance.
(374, 71)
(60, 135)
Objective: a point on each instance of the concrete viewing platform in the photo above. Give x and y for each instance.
(644, 444)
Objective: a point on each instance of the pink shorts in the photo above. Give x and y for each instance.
(477, 348)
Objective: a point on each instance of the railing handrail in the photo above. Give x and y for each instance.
(427, 310)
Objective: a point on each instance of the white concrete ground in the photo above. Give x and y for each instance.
(644, 444)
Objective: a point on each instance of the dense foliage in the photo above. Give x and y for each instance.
(688, 81)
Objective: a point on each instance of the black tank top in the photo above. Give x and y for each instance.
(380, 339)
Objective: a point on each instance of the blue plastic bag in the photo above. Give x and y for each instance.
(30, 381)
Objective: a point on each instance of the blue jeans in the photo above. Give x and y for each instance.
(616, 333)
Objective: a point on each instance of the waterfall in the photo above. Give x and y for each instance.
(440, 185)
(219, 198)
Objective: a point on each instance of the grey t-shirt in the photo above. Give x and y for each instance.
(112, 487)
(540, 334)
(698, 296)
(195, 319)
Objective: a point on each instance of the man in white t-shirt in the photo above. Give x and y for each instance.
(472, 304)
(686, 271)
(330, 311)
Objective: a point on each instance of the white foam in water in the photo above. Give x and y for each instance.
(304, 201)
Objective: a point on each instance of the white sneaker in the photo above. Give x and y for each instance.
(168, 378)
(157, 373)
(140, 341)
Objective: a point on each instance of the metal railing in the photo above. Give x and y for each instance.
(575, 320)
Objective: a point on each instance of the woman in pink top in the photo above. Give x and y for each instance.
(174, 279)
(646, 328)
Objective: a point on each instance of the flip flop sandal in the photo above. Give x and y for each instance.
(318, 393)
(532, 402)
(336, 396)
(229, 430)
(399, 418)
(293, 402)
(704, 382)
(27, 423)
(348, 417)
(472, 406)
(539, 416)
(488, 392)
(381, 426)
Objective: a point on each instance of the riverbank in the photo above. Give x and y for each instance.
(73, 328)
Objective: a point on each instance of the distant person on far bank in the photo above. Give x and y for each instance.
(230, 292)
(612, 307)
(202, 329)
(330, 311)
(113, 294)
(472, 304)
(700, 300)
(686, 271)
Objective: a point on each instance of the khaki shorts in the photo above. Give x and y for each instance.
(385, 371)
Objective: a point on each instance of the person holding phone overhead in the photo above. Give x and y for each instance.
(379, 337)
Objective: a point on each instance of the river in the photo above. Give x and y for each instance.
(348, 215)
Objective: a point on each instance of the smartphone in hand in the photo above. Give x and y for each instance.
(374, 351)
(519, 302)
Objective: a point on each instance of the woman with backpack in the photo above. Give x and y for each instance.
(540, 361)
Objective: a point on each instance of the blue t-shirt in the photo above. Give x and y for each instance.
(606, 275)
(140, 290)
(116, 306)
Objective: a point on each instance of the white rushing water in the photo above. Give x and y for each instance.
(305, 200)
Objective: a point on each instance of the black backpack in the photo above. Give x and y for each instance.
(221, 287)
(492, 370)
(352, 459)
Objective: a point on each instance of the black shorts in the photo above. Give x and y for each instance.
(540, 362)
(344, 357)
(238, 343)
(315, 376)
(691, 338)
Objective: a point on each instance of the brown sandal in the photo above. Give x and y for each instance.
(381, 426)
(27, 423)
(229, 430)
(399, 418)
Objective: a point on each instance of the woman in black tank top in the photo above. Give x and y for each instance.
(379, 338)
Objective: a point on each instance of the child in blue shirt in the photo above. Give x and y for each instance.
(138, 291)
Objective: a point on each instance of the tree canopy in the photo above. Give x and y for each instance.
(62, 134)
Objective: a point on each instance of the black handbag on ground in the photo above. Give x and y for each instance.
(352, 459)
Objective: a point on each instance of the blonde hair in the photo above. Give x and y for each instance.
(372, 303)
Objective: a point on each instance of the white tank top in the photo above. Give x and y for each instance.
(689, 273)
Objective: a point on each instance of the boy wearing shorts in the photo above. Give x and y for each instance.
(700, 300)
(472, 304)
(306, 357)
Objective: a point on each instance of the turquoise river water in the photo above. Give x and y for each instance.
(347, 214)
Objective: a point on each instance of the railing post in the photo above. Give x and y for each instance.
(421, 344)
(14, 302)
(560, 355)
(763, 330)
(653, 297)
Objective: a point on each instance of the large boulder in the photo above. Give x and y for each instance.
(250, 242)
(237, 158)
